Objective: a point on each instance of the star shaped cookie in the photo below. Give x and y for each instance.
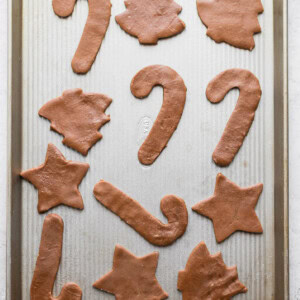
(231, 208)
(57, 180)
(132, 278)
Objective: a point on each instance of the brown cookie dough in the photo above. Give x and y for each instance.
(132, 277)
(233, 22)
(78, 117)
(170, 112)
(93, 33)
(206, 277)
(242, 117)
(151, 20)
(131, 212)
(57, 180)
(47, 264)
(231, 208)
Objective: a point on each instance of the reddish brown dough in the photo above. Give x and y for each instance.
(93, 33)
(132, 277)
(242, 117)
(231, 208)
(78, 117)
(131, 212)
(151, 20)
(47, 264)
(57, 180)
(206, 277)
(233, 22)
(170, 112)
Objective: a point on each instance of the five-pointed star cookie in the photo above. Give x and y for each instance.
(57, 180)
(132, 278)
(231, 208)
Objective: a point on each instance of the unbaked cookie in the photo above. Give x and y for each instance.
(78, 117)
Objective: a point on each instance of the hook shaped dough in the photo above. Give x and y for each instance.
(47, 264)
(170, 112)
(132, 213)
(94, 31)
(242, 117)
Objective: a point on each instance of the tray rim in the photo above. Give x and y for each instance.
(14, 150)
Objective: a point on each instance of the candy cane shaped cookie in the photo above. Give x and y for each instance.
(170, 112)
(93, 33)
(47, 264)
(132, 213)
(243, 115)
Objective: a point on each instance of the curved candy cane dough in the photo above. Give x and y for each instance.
(47, 264)
(131, 212)
(93, 33)
(243, 115)
(170, 112)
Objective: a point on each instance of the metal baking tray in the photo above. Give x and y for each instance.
(41, 49)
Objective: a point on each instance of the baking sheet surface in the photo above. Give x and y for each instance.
(184, 168)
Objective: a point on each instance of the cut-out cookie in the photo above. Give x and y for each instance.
(170, 112)
(233, 22)
(93, 33)
(231, 208)
(78, 117)
(47, 264)
(132, 277)
(242, 117)
(131, 212)
(206, 277)
(151, 20)
(57, 180)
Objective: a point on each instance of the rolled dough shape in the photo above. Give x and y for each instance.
(57, 180)
(233, 22)
(47, 264)
(206, 277)
(132, 277)
(243, 114)
(78, 117)
(94, 31)
(150, 20)
(132, 213)
(231, 208)
(170, 112)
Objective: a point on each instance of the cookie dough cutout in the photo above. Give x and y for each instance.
(231, 208)
(93, 33)
(242, 117)
(151, 20)
(206, 277)
(132, 277)
(47, 264)
(57, 180)
(78, 117)
(232, 22)
(132, 213)
(170, 113)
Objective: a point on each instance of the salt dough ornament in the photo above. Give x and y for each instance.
(132, 277)
(231, 208)
(243, 115)
(93, 33)
(150, 20)
(131, 212)
(57, 180)
(170, 113)
(206, 277)
(233, 22)
(47, 264)
(78, 117)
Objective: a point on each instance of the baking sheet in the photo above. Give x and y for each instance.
(184, 168)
